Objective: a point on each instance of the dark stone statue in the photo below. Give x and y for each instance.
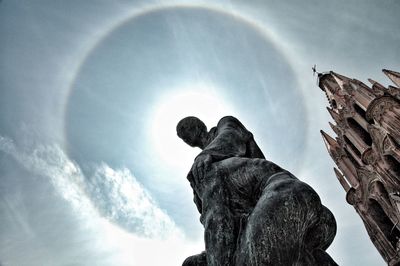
(253, 211)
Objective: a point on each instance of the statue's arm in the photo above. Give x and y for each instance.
(196, 198)
(197, 201)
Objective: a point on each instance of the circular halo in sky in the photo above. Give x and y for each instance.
(154, 67)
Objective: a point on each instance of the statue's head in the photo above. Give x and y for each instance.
(192, 131)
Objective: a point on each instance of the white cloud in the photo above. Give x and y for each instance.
(107, 202)
(122, 199)
(113, 194)
(51, 162)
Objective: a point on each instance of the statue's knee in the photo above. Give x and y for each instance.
(330, 227)
(321, 235)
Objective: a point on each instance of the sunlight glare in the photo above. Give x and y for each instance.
(200, 100)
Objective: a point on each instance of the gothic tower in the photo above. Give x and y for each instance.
(366, 151)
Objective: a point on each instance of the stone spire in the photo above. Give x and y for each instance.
(330, 142)
(367, 153)
(340, 79)
(333, 114)
(393, 75)
(342, 180)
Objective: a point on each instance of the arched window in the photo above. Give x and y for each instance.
(393, 164)
(381, 190)
(390, 231)
(352, 147)
(352, 159)
(361, 132)
(359, 110)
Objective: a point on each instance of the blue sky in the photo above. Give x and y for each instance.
(90, 92)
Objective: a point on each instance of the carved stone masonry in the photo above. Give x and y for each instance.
(371, 164)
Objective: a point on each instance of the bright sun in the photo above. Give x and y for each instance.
(200, 100)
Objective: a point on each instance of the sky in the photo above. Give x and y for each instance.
(91, 169)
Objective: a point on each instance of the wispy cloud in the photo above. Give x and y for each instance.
(119, 222)
(113, 194)
(121, 198)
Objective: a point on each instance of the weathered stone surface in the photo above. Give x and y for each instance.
(253, 211)
(367, 153)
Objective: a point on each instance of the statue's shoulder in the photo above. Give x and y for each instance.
(230, 121)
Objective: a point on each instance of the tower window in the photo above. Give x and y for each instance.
(390, 231)
(360, 131)
(352, 159)
(352, 147)
(359, 110)
(393, 164)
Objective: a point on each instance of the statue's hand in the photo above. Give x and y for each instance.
(201, 165)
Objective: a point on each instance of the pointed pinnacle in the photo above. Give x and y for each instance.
(337, 172)
(340, 79)
(334, 128)
(376, 85)
(341, 179)
(333, 114)
(393, 76)
(360, 83)
(330, 143)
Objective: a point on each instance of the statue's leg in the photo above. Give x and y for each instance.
(220, 227)
(321, 234)
(276, 229)
(319, 237)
